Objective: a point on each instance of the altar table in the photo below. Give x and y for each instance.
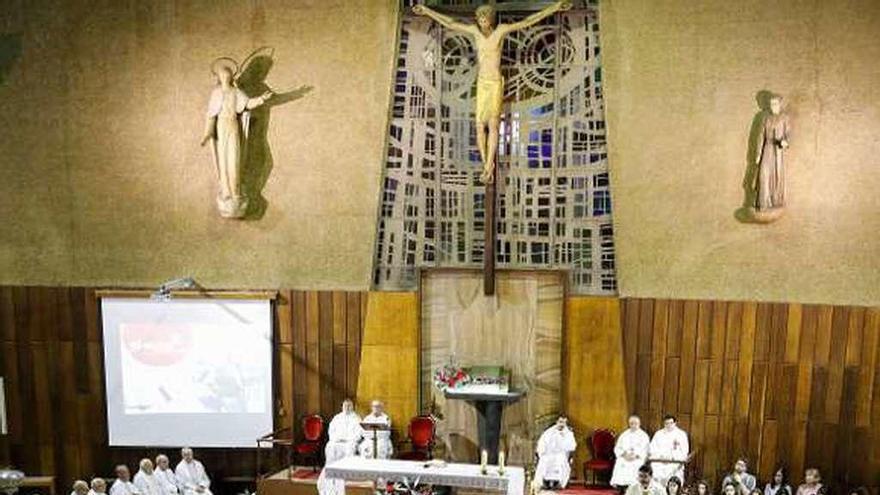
(512, 482)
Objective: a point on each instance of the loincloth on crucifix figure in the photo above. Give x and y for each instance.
(488, 39)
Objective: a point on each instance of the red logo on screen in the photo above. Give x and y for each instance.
(157, 345)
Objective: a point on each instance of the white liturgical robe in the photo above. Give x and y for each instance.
(669, 445)
(167, 480)
(191, 476)
(343, 435)
(553, 450)
(148, 484)
(120, 487)
(634, 445)
(653, 489)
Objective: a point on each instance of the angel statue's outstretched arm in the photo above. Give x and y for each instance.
(444, 20)
(537, 17)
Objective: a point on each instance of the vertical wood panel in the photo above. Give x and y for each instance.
(52, 355)
(775, 382)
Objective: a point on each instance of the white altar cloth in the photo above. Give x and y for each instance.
(458, 475)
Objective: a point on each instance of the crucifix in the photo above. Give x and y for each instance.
(488, 39)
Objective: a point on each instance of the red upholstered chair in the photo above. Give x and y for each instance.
(422, 431)
(602, 449)
(309, 449)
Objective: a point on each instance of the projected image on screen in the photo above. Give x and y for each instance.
(188, 372)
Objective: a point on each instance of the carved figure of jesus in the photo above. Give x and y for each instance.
(488, 41)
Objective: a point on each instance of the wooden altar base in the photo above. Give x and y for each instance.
(304, 482)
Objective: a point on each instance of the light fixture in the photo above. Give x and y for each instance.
(163, 293)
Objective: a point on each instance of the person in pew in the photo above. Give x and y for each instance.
(812, 482)
(779, 484)
(673, 486)
(646, 484)
(554, 451)
(99, 486)
(191, 475)
(741, 478)
(669, 451)
(343, 434)
(166, 476)
(123, 485)
(377, 416)
(145, 479)
(80, 487)
(631, 451)
(729, 489)
(701, 488)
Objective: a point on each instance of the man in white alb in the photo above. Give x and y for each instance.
(191, 476)
(145, 479)
(631, 452)
(554, 450)
(165, 475)
(669, 451)
(123, 484)
(343, 434)
(377, 416)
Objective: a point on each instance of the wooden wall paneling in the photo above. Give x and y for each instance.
(776, 382)
(630, 318)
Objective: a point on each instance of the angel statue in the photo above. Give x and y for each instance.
(488, 41)
(770, 177)
(227, 130)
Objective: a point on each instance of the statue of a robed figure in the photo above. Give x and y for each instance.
(488, 41)
(769, 177)
(226, 130)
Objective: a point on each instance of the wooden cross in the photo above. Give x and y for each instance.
(489, 246)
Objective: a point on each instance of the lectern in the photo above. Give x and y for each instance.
(373, 430)
(489, 407)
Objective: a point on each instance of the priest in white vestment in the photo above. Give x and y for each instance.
(343, 434)
(80, 487)
(554, 450)
(377, 416)
(123, 484)
(145, 479)
(631, 452)
(191, 476)
(165, 475)
(669, 444)
(645, 484)
(99, 486)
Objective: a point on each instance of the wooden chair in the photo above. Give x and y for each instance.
(601, 444)
(309, 449)
(422, 431)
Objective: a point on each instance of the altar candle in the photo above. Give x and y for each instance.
(484, 460)
(501, 462)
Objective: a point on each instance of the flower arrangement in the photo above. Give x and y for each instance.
(451, 376)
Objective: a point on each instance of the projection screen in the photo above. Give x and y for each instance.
(194, 372)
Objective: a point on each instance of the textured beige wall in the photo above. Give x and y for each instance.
(104, 182)
(680, 79)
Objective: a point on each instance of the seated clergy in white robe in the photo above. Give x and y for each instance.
(631, 452)
(165, 475)
(191, 476)
(377, 416)
(343, 434)
(554, 448)
(145, 479)
(80, 487)
(123, 485)
(669, 444)
(645, 483)
(98, 486)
